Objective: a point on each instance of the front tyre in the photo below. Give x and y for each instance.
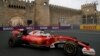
(70, 49)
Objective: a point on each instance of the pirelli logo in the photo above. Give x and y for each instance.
(89, 27)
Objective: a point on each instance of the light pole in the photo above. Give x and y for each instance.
(92, 19)
(86, 18)
(87, 11)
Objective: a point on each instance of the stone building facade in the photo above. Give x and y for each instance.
(41, 13)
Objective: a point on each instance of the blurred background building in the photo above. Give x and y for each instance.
(41, 13)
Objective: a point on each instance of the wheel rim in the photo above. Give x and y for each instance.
(70, 49)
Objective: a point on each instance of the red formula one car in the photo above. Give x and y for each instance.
(71, 45)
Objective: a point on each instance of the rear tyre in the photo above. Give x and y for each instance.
(11, 43)
(70, 49)
(14, 42)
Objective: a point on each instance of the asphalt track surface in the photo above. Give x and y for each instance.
(93, 37)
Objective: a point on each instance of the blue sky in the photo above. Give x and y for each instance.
(76, 4)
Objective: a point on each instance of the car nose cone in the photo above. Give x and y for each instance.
(91, 51)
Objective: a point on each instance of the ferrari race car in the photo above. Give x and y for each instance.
(71, 45)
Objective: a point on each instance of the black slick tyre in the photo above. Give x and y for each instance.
(11, 43)
(70, 49)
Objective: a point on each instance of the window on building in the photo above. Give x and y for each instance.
(16, 6)
(62, 22)
(20, 0)
(89, 20)
(84, 21)
(29, 22)
(4, 0)
(23, 7)
(45, 3)
(95, 21)
(9, 6)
